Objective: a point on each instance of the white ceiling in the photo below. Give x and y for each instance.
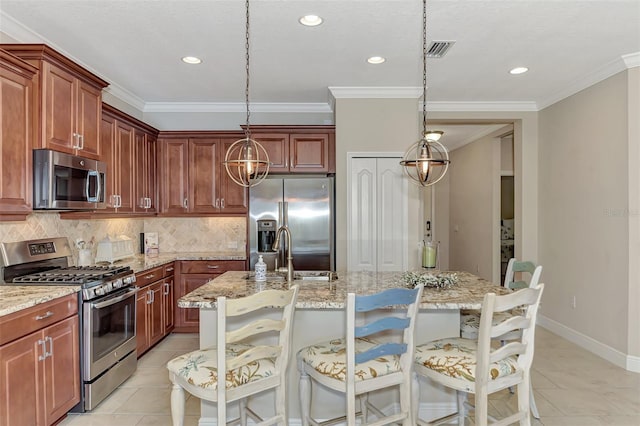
(136, 45)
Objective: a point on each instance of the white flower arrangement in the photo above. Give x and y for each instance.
(429, 280)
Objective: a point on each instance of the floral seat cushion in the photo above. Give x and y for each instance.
(199, 367)
(470, 322)
(456, 357)
(330, 359)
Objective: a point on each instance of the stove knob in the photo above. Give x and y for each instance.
(117, 283)
(99, 291)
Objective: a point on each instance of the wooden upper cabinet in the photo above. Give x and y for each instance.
(309, 153)
(173, 160)
(198, 185)
(277, 147)
(204, 168)
(67, 100)
(128, 146)
(298, 149)
(16, 133)
(233, 197)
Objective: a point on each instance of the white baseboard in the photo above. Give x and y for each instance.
(628, 362)
(426, 411)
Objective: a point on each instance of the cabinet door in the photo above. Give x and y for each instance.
(89, 110)
(151, 165)
(62, 369)
(309, 153)
(108, 154)
(59, 108)
(125, 162)
(174, 174)
(233, 197)
(20, 382)
(189, 318)
(142, 332)
(15, 144)
(141, 181)
(168, 304)
(203, 176)
(155, 313)
(277, 147)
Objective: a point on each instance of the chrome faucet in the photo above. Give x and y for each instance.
(276, 245)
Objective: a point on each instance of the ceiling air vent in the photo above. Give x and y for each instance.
(437, 49)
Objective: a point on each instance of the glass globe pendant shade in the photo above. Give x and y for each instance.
(247, 162)
(426, 162)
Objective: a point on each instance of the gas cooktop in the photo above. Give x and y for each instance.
(74, 275)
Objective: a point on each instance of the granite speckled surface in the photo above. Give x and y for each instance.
(14, 298)
(141, 262)
(466, 294)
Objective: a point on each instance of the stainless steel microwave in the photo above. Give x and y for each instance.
(67, 182)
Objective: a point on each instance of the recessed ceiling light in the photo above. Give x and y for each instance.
(376, 60)
(191, 60)
(310, 20)
(519, 70)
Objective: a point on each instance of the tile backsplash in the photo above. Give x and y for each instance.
(202, 234)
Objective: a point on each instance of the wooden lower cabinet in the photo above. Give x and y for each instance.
(191, 274)
(154, 307)
(40, 372)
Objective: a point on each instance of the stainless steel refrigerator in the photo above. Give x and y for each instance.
(306, 206)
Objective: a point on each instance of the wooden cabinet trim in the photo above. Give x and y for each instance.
(26, 321)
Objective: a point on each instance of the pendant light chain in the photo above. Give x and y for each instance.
(247, 131)
(424, 67)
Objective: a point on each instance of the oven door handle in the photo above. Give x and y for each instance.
(114, 300)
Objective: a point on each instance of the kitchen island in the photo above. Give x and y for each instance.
(320, 316)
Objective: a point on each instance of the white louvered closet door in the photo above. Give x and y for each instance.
(378, 215)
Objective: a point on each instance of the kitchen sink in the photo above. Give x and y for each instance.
(299, 276)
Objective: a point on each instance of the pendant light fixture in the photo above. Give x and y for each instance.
(426, 161)
(246, 161)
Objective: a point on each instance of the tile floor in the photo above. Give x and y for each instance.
(571, 387)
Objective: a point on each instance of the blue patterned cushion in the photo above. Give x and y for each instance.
(330, 358)
(200, 369)
(456, 357)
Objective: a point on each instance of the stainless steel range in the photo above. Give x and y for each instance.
(107, 313)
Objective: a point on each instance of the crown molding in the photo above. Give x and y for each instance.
(125, 96)
(481, 106)
(21, 33)
(632, 60)
(375, 92)
(620, 64)
(237, 107)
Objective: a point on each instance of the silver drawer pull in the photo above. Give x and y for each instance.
(213, 266)
(45, 316)
(169, 269)
(147, 277)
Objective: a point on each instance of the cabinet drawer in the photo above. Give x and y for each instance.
(168, 269)
(149, 276)
(24, 322)
(210, 266)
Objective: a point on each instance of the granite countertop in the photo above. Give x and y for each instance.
(14, 298)
(468, 293)
(141, 262)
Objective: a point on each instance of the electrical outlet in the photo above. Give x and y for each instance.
(573, 302)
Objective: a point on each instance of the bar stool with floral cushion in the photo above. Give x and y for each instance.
(373, 355)
(474, 366)
(247, 369)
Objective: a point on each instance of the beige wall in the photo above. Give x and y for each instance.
(474, 181)
(583, 212)
(634, 209)
(374, 125)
